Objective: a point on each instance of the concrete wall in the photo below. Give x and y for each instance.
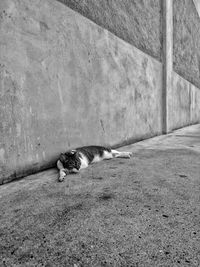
(136, 22)
(68, 80)
(187, 41)
(197, 5)
(185, 103)
(65, 82)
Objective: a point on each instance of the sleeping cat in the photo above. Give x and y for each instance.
(74, 160)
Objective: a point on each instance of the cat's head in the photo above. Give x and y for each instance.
(69, 159)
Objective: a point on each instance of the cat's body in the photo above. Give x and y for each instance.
(74, 160)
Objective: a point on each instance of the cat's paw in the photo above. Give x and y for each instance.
(62, 176)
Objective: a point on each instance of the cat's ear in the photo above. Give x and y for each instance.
(75, 153)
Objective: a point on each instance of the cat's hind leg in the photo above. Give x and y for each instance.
(62, 171)
(119, 154)
(108, 155)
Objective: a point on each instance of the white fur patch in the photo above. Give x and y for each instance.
(97, 158)
(107, 155)
(84, 161)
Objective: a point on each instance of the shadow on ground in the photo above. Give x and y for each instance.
(139, 212)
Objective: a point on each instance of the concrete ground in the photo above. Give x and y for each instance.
(139, 212)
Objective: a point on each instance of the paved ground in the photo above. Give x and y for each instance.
(139, 212)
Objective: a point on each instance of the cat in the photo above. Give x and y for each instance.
(74, 160)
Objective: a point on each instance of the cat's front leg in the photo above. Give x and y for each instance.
(62, 171)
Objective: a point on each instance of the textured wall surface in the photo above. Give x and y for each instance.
(197, 5)
(65, 82)
(187, 41)
(185, 104)
(137, 22)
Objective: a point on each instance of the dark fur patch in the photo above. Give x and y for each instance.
(70, 160)
(91, 151)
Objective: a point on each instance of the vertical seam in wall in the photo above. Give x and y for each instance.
(167, 24)
(190, 103)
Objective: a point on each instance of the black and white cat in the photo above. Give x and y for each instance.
(74, 160)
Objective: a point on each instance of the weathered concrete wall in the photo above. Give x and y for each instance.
(197, 5)
(185, 105)
(67, 82)
(187, 41)
(137, 22)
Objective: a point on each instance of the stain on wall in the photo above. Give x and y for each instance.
(67, 82)
(136, 22)
(186, 41)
